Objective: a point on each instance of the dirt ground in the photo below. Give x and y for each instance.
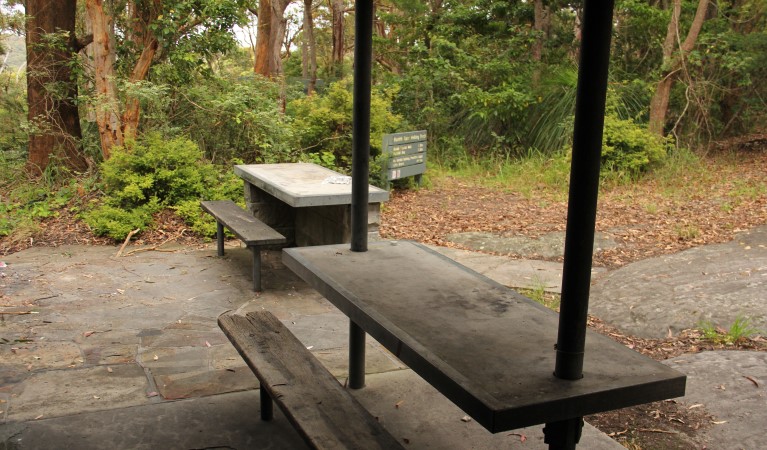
(643, 219)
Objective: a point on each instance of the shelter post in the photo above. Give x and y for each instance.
(582, 207)
(363, 58)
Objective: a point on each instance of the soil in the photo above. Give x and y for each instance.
(644, 218)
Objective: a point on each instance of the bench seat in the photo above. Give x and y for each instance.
(247, 228)
(315, 403)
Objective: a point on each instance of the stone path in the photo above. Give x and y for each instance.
(127, 350)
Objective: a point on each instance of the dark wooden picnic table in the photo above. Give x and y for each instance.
(484, 346)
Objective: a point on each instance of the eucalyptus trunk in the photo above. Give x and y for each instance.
(51, 86)
(673, 62)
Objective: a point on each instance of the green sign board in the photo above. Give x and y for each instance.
(406, 155)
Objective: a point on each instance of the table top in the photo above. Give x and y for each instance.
(485, 347)
(304, 184)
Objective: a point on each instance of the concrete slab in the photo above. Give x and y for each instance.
(714, 283)
(422, 418)
(228, 421)
(514, 273)
(303, 184)
(550, 245)
(63, 392)
(732, 385)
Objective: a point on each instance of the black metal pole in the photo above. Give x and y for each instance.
(582, 206)
(363, 57)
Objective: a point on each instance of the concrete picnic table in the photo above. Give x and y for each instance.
(307, 203)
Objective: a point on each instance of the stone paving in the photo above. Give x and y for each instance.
(96, 348)
(127, 351)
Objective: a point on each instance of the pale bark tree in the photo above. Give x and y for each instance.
(675, 53)
(51, 88)
(106, 106)
(269, 38)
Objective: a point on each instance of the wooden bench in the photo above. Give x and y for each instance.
(322, 411)
(247, 228)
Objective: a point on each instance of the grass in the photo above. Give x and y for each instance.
(539, 294)
(741, 328)
(528, 175)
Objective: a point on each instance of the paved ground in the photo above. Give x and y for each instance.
(126, 350)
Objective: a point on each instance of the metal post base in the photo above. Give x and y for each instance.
(563, 435)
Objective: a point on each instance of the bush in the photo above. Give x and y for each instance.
(324, 124)
(147, 176)
(629, 149)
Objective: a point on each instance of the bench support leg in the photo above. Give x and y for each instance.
(220, 237)
(356, 356)
(256, 268)
(267, 406)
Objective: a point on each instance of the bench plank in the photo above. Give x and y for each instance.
(323, 412)
(246, 227)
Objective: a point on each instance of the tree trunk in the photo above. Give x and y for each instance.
(140, 70)
(672, 62)
(310, 62)
(52, 111)
(540, 25)
(337, 57)
(271, 29)
(107, 109)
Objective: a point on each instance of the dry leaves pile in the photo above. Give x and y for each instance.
(642, 218)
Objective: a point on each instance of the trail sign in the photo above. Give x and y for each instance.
(405, 155)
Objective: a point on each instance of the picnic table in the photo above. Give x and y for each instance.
(485, 347)
(307, 203)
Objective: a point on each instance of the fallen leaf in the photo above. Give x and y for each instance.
(88, 333)
(697, 405)
(522, 437)
(718, 422)
(670, 334)
(109, 369)
(396, 405)
(39, 417)
(751, 379)
(96, 397)
(207, 344)
(156, 357)
(152, 394)
(465, 419)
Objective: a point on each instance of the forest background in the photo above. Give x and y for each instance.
(126, 109)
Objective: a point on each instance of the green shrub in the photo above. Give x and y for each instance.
(324, 124)
(116, 222)
(146, 176)
(629, 149)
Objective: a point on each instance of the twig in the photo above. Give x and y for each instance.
(18, 313)
(655, 430)
(127, 239)
(156, 247)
